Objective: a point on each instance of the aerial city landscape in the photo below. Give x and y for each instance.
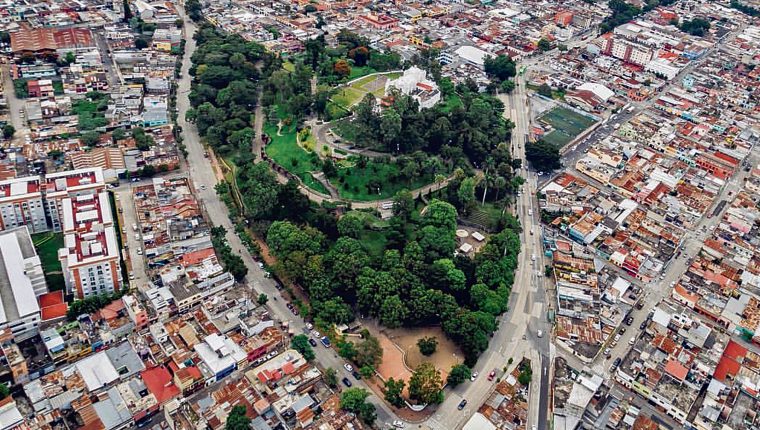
(380, 214)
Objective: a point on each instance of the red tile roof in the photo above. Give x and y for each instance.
(52, 306)
(676, 370)
(158, 380)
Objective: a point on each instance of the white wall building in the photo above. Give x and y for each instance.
(21, 281)
(90, 257)
(414, 82)
(21, 204)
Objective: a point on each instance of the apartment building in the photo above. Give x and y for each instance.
(70, 184)
(21, 203)
(21, 282)
(90, 256)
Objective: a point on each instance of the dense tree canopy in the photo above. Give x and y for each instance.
(474, 129)
(500, 68)
(543, 155)
(301, 344)
(237, 420)
(426, 385)
(226, 70)
(458, 374)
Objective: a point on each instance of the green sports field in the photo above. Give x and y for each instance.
(567, 125)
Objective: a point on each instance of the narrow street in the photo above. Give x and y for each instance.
(15, 107)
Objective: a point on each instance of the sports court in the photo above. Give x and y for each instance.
(566, 124)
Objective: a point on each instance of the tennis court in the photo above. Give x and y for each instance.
(566, 124)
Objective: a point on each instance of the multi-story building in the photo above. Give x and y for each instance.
(70, 184)
(90, 256)
(21, 281)
(21, 203)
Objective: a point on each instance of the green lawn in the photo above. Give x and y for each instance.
(356, 179)
(363, 81)
(346, 129)
(450, 102)
(290, 67)
(567, 125)
(348, 96)
(284, 150)
(358, 72)
(47, 246)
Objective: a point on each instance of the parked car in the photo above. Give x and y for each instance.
(632, 341)
(492, 375)
(607, 352)
(347, 382)
(629, 321)
(357, 375)
(643, 325)
(312, 342)
(474, 376)
(325, 341)
(348, 367)
(622, 330)
(462, 404)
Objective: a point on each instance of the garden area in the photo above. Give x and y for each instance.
(47, 245)
(566, 124)
(367, 179)
(89, 111)
(352, 94)
(286, 152)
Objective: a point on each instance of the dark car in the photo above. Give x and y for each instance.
(312, 342)
(347, 382)
(357, 375)
(617, 361)
(462, 404)
(643, 325)
(629, 321)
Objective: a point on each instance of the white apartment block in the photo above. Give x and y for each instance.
(21, 281)
(90, 257)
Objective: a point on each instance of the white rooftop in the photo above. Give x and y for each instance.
(17, 297)
(97, 371)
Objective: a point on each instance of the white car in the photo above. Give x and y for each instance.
(309, 326)
(398, 424)
(139, 251)
(316, 334)
(474, 376)
(632, 341)
(530, 212)
(540, 333)
(348, 367)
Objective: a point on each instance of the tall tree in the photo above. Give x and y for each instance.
(237, 420)
(393, 390)
(425, 384)
(127, 10)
